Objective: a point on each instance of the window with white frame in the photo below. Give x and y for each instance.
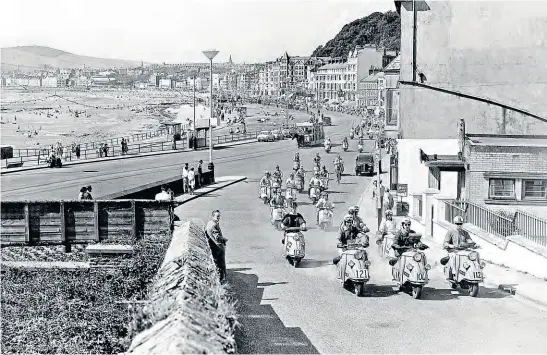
(535, 189)
(502, 188)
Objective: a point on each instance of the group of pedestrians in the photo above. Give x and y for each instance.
(192, 177)
(386, 198)
(85, 193)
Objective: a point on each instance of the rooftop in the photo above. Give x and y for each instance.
(507, 140)
(373, 77)
(333, 66)
(395, 64)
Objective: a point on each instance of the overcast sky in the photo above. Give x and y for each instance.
(178, 30)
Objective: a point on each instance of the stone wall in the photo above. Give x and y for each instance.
(189, 309)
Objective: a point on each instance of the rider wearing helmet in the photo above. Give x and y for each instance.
(315, 182)
(293, 219)
(296, 157)
(455, 238)
(349, 233)
(291, 183)
(266, 181)
(278, 175)
(357, 221)
(387, 226)
(278, 201)
(323, 203)
(317, 160)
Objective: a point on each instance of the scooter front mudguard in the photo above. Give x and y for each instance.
(415, 274)
(350, 268)
(468, 270)
(295, 246)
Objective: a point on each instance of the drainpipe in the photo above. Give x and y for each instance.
(414, 19)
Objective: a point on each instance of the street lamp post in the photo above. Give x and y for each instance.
(379, 134)
(210, 54)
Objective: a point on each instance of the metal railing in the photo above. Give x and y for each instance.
(531, 227)
(501, 224)
(417, 206)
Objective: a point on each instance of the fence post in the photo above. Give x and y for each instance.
(96, 220)
(139, 148)
(134, 215)
(27, 223)
(64, 237)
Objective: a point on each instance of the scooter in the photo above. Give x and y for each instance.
(360, 147)
(328, 148)
(295, 245)
(353, 267)
(277, 217)
(265, 194)
(300, 183)
(324, 183)
(469, 267)
(295, 165)
(410, 270)
(351, 135)
(290, 193)
(326, 217)
(314, 194)
(345, 146)
(384, 246)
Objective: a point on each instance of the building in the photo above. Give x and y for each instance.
(371, 90)
(468, 60)
(202, 83)
(329, 82)
(165, 83)
(391, 106)
(49, 82)
(35, 82)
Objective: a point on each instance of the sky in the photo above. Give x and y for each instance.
(175, 31)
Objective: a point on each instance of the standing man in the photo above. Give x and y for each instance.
(185, 178)
(217, 243)
(199, 173)
(389, 201)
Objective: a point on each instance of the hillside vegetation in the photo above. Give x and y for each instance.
(380, 29)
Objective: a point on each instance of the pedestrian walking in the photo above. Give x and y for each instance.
(192, 180)
(82, 194)
(217, 243)
(78, 151)
(389, 199)
(185, 178)
(87, 195)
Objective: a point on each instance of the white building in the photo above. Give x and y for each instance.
(49, 82)
(165, 83)
(330, 81)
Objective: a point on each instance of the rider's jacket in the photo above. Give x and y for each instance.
(300, 172)
(293, 220)
(317, 160)
(291, 183)
(277, 174)
(315, 182)
(402, 238)
(350, 233)
(322, 203)
(324, 173)
(265, 181)
(387, 227)
(278, 201)
(456, 238)
(338, 161)
(296, 158)
(327, 143)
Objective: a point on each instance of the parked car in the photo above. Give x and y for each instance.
(364, 163)
(286, 133)
(327, 121)
(277, 134)
(265, 136)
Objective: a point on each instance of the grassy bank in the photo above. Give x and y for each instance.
(60, 311)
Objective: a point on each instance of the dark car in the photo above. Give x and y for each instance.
(364, 163)
(327, 121)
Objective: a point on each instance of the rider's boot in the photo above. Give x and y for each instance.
(336, 260)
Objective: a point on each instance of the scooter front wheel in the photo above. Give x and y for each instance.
(473, 290)
(296, 262)
(359, 289)
(417, 291)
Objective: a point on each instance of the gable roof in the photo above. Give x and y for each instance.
(394, 65)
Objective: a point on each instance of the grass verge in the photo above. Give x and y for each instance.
(74, 312)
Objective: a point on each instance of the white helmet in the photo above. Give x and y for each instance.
(458, 220)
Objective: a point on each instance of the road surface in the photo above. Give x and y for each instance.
(305, 310)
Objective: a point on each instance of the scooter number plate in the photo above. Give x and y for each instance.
(477, 274)
(361, 274)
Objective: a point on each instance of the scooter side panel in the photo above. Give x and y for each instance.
(356, 270)
(473, 273)
(295, 246)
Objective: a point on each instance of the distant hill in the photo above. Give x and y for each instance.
(35, 57)
(381, 29)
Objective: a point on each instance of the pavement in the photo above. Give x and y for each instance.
(306, 310)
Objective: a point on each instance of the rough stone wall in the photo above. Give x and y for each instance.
(191, 311)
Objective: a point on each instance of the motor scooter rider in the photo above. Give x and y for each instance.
(301, 174)
(349, 233)
(345, 141)
(293, 219)
(403, 240)
(357, 221)
(328, 143)
(277, 174)
(317, 160)
(291, 182)
(387, 226)
(266, 180)
(339, 162)
(455, 238)
(278, 201)
(296, 157)
(323, 203)
(315, 182)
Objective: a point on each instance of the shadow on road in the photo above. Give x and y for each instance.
(311, 263)
(222, 147)
(261, 331)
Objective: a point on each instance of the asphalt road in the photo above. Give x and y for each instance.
(111, 176)
(305, 310)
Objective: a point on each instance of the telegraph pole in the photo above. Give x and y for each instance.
(378, 135)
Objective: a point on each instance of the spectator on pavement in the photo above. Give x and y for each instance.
(192, 180)
(87, 195)
(389, 199)
(200, 173)
(217, 243)
(163, 195)
(82, 194)
(185, 178)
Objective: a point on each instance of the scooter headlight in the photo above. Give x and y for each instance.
(427, 267)
(359, 255)
(466, 265)
(417, 257)
(409, 267)
(473, 256)
(482, 264)
(367, 263)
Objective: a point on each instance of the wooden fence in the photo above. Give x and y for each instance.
(73, 222)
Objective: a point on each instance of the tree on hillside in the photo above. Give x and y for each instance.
(380, 29)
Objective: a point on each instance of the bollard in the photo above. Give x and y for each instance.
(211, 167)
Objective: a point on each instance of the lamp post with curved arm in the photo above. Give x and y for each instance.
(210, 54)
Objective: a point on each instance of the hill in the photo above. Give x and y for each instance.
(30, 58)
(381, 29)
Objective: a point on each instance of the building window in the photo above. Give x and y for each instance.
(534, 189)
(502, 188)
